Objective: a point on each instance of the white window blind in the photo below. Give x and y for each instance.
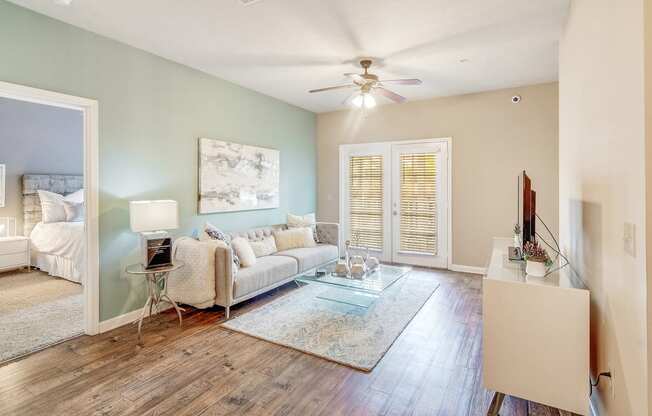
(419, 209)
(366, 201)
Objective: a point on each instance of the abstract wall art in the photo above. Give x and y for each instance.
(237, 177)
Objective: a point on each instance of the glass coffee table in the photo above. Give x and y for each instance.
(357, 292)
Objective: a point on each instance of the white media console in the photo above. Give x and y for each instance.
(535, 335)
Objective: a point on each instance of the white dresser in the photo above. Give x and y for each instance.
(535, 335)
(14, 253)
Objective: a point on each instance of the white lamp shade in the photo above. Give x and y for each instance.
(153, 215)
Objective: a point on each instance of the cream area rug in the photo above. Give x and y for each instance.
(350, 335)
(36, 311)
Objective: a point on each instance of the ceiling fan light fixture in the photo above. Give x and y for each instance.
(369, 101)
(365, 100)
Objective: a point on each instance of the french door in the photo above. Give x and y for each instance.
(394, 200)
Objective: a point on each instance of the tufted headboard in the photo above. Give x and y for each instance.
(60, 184)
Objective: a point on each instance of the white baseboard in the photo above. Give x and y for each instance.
(467, 269)
(124, 319)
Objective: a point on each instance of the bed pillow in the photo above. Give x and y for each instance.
(52, 209)
(263, 247)
(77, 197)
(294, 238)
(244, 251)
(74, 211)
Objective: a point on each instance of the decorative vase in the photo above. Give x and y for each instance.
(536, 268)
(358, 271)
(342, 269)
(372, 263)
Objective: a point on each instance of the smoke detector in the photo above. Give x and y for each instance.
(249, 2)
(63, 2)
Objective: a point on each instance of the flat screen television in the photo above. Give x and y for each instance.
(529, 210)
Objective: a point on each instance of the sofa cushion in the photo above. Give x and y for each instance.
(244, 251)
(267, 271)
(311, 257)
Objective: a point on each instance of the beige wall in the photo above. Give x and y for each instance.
(492, 141)
(648, 167)
(602, 187)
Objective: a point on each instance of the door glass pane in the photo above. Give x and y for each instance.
(418, 210)
(366, 201)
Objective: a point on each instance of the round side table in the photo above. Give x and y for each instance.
(157, 286)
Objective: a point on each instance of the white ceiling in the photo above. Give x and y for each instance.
(283, 48)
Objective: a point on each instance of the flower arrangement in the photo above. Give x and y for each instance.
(533, 252)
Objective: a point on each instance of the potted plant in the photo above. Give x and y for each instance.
(537, 259)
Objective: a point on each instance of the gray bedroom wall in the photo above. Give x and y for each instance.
(36, 138)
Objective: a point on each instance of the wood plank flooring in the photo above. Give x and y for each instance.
(434, 368)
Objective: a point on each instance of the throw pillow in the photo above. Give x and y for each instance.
(52, 207)
(244, 251)
(301, 221)
(74, 211)
(294, 238)
(214, 233)
(264, 247)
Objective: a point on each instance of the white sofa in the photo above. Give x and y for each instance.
(208, 277)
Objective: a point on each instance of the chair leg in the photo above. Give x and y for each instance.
(227, 312)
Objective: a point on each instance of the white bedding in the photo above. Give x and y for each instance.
(58, 248)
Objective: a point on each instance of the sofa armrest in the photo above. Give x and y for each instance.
(193, 284)
(328, 233)
(224, 275)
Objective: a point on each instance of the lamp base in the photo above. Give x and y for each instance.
(156, 249)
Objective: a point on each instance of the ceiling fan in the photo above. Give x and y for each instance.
(369, 84)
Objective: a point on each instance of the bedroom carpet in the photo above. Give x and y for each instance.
(36, 311)
(349, 335)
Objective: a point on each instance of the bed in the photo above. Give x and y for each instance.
(58, 247)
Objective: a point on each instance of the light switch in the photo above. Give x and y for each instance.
(629, 238)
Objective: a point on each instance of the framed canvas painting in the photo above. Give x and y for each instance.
(237, 177)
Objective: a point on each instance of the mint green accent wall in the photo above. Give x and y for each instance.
(152, 111)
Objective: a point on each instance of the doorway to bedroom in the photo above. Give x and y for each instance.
(44, 233)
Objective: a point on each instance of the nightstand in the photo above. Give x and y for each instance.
(14, 253)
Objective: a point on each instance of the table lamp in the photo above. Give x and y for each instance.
(152, 219)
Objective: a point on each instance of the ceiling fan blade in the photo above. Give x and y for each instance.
(337, 87)
(391, 95)
(356, 78)
(411, 81)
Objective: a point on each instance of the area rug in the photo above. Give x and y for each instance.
(349, 335)
(36, 311)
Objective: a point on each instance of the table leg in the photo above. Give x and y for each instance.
(176, 307)
(496, 404)
(142, 316)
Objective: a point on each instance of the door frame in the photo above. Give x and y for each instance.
(344, 150)
(90, 112)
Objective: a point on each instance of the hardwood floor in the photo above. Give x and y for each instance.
(434, 368)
